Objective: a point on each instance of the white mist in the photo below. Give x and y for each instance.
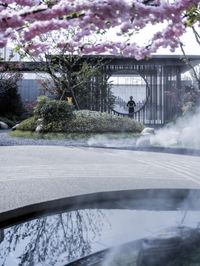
(184, 133)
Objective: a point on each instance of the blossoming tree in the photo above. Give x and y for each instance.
(26, 20)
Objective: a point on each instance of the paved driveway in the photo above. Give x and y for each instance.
(31, 174)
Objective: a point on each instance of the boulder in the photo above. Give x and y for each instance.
(15, 127)
(3, 125)
(39, 128)
(148, 131)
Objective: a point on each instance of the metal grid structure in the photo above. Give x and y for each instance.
(162, 75)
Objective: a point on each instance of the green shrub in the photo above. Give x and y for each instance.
(86, 122)
(39, 104)
(97, 122)
(29, 124)
(52, 110)
(54, 126)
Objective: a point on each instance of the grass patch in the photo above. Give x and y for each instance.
(69, 136)
(24, 134)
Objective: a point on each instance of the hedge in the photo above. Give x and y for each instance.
(86, 122)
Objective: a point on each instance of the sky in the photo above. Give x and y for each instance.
(191, 47)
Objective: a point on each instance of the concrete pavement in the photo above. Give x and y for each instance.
(33, 174)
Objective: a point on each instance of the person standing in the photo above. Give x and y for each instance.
(131, 104)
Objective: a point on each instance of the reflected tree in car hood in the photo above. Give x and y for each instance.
(66, 236)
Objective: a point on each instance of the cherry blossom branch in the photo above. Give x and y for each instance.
(33, 18)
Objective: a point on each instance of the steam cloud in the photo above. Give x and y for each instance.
(185, 132)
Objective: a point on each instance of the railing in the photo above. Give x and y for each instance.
(122, 106)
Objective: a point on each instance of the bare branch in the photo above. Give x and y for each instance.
(187, 61)
(196, 34)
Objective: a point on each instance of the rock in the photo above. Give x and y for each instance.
(3, 125)
(15, 127)
(148, 131)
(39, 128)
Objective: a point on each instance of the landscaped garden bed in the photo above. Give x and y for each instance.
(58, 116)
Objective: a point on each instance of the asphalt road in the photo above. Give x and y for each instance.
(33, 174)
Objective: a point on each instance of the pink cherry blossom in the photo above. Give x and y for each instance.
(27, 20)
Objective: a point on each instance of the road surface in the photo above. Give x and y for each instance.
(33, 174)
